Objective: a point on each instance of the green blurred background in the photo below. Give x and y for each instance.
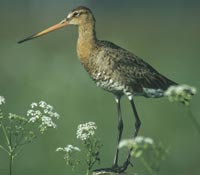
(165, 33)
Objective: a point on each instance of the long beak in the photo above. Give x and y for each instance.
(63, 23)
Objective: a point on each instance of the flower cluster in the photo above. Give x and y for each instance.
(134, 142)
(43, 113)
(2, 100)
(85, 131)
(69, 153)
(181, 93)
(68, 148)
(141, 139)
(137, 145)
(148, 152)
(17, 131)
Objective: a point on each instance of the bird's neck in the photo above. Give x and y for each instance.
(86, 41)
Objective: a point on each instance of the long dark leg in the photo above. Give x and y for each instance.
(137, 119)
(120, 129)
(115, 167)
(137, 127)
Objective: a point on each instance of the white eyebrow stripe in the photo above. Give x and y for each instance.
(70, 15)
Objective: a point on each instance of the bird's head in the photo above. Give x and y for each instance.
(79, 16)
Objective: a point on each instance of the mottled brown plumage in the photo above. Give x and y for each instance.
(112, 68)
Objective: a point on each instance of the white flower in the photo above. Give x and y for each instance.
(42, 113)
(32, 119)
(182, 93)
(2, 100)
(42, 104)
(68, 148)
(34, 105)
(84, 131)
(46, 111)
(30, 112)
(139, 139)
(38, 113)
(148, 140)
(47, 121)
(56, 115)
(59, 149)
(127, 143)
(49, 107)
(35, 115)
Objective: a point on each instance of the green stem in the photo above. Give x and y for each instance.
(88, 172)
(12, 150)
(4, 149)
(6, 136)
(194, 120)
(11, 163)
(146, 165)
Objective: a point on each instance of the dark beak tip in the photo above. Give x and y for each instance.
(26, 39)
(19, 42)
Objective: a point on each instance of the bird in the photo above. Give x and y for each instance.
(113, 69)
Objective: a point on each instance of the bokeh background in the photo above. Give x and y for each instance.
(165, 33)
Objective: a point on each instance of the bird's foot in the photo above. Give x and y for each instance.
(115, 168)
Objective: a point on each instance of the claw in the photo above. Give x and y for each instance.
(116, 168)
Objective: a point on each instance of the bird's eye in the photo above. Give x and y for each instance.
(76, 14)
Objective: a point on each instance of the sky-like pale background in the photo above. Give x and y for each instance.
(165, 33)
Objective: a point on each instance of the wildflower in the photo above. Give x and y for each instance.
(43, 113)
(181, 93)
(42, 104)
(85, 131)
(148, 140)
(30, 112)
(49, 107)
(69, 152)
(32, 120)
(56, 115)
(68, 148)
(2, 100)
(47, 121)
(139, 140)
(34, 105)
(59, 149)
(127, 143)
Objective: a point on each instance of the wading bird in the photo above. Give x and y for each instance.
(112, 68)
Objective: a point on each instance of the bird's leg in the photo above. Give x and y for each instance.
(116, 168)
(137, 127)
(137, 119)
(120, 129)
